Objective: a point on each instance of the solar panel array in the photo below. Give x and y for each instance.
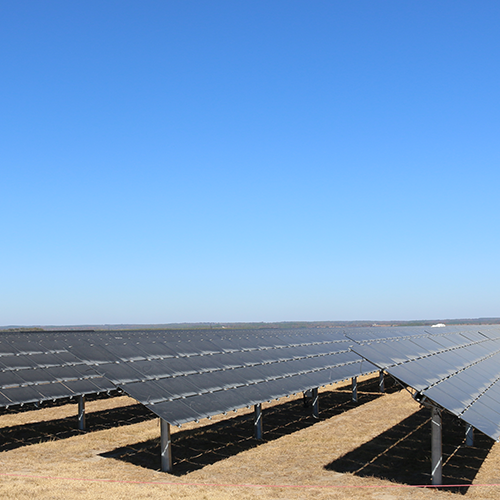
(36, 368)
(186, 376)
(456, 367)
(181, 376)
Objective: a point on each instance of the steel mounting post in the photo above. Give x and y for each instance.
(81, 412)
(315, 402)
(354, 384)
(437, 446)
(469, 435)
(381, 381)
(165, 447)
(257, 421)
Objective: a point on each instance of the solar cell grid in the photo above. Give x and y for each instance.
(46, 360)
(415, 376)
(22, 395)
(253, 375)
(126, 352)
(18, 362)
(26, 348)
(220, 380)
(476, 377)
(463, 381)
(67, 358)
(64, 373)
(494, 390)
(475, 417)
(159, 368)
(474, 336)
(53, 391)
(91, 353)
(4, 400)
(10, 379)
(157, 350)
(31, 377)
(148, 392)
(7, 349)
(490, 402)
(225, 345)
(119, 373)
(178, 412)
(176, 387)
(449, 396)
(375, 354)
(95, 385)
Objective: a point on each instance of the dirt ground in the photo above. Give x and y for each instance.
(375, 448)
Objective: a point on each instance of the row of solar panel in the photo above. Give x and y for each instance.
(196, 407)
(20, 395)
(39, 366)
(462, 376)
(208, 382)
(183, 375)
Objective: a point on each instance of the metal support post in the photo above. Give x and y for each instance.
(165, 447)
(469, 435)
(355, 389)
(437, 452)
(306, 398)
(381, 381)
(257, 421)
(315, 403)
(81, 413)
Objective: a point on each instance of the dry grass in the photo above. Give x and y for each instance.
(119, 456)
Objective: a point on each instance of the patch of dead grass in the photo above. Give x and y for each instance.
(296, 457)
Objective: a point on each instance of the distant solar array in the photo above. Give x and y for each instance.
(458, 368)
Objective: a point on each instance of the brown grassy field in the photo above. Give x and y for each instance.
(372, 449)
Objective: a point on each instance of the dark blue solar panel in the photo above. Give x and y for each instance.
(54, 391)
(477, 418)
(17, 363)
(211, 369)
(119, 373)
(22, 395)
(90, 386)
(452, 367)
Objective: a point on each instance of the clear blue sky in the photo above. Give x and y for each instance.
(186, 161)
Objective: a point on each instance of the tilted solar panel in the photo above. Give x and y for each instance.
(35, 367)
(218, 368)
(461, 375)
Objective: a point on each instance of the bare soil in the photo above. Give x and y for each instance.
(371, 449)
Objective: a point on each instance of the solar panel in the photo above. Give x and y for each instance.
(459, 375)
(238, 391)
(158, 369)
(37, 367)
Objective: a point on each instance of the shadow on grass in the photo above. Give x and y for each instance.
(403, 453)
(196, 448)
(39, 432)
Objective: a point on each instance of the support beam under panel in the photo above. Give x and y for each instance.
(165, 447)
(381, 381)
(355, 389)
(81, 413)
(469, 435)
(257, 421)
(437, 451)
(315, 403)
